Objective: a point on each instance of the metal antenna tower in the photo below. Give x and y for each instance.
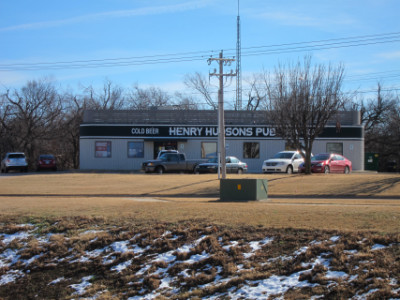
(238, 66)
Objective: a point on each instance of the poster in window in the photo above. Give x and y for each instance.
(103, 149)
(208, 149)
(135, 149)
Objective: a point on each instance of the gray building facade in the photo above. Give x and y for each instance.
(123, 139)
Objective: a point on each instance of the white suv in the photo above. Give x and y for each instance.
(283, 162)
(14, 161)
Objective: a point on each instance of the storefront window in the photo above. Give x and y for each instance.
(102, 149)
(208, 149)
(135, 149)
(251, 150)
(334, 148)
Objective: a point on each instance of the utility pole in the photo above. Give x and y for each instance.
(238, 65)
(221, 122)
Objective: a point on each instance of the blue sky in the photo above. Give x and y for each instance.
(82, 43)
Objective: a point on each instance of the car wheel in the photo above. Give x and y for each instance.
(160, 170)
(289, 170)
(6, 170)
(326, 170)
(347, 170)
(240, 171)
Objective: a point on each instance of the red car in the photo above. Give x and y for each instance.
(46, 162)
(328, 163)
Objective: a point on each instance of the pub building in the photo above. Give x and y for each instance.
(123, 139)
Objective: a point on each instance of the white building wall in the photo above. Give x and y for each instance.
(119, 160)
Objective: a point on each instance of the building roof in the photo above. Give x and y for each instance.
(197, 117)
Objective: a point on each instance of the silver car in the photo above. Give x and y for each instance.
(283, 162)
(233, 165)
(14, 161)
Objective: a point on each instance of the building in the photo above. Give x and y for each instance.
(123, 139)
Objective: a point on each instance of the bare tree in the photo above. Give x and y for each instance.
(30, 116)
(110, 97)
(200, 84)
(68, 143)
(302, 99)
(375, 111)
(256, 95)
(141, 98)
(380, 117)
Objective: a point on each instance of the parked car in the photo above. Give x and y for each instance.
(283, 162)
(46, 162)
(161, 152)
(328, 163)
(14, 161)
(171, 162)
(233, 165)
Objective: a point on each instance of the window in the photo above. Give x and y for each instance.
(102, 149)
(298, 156)
(334, 148)
(251, 150)
(208, 149)
(135, 149)
(234, 160)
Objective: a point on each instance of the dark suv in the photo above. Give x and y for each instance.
(14, 161)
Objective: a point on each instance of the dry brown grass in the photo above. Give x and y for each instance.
(360, 201)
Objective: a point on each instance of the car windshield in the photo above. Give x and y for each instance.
(285, 155)
(16, 156)
(321, 157)
(46, 157)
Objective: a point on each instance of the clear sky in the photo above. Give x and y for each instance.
(156, 43)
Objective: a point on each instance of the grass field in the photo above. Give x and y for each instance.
(142, 236)
(360, 201)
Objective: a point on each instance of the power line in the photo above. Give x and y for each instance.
(201, 55)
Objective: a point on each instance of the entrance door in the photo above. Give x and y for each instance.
(170, 145)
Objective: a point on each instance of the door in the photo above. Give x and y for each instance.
(297, 160)
(164, 145)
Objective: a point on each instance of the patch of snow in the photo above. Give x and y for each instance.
(9, 257)
(184, 273)
(32, 259)
(197, 257)
(91, 232)
(232, 244)
(334, 238)
(55, 281)
(257, 245)
(81, 287)
(10, 277)
(108, 259)
(263, 289)
(350, 251)
(8, 238)
(378, 247)
(95, 253)
(365, 295)
(167, 257)
(301, 251)
(119, 268)
(336, 274)
(121, 247)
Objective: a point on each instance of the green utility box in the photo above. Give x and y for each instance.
(243, 189)
(371, 161)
